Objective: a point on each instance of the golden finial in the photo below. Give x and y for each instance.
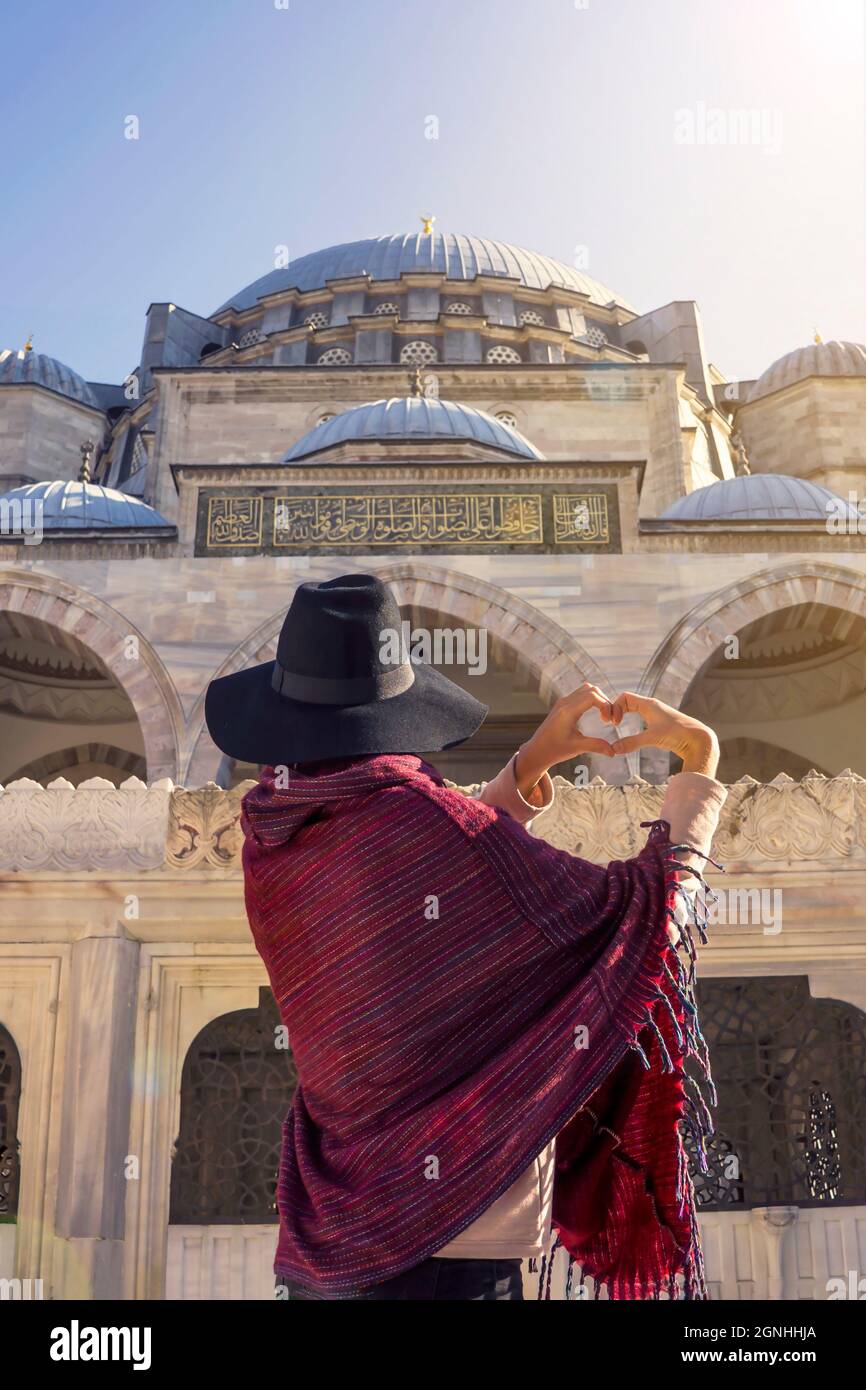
(427, 225)
(416, 381)
(817, 338)
(86, 452)
(28, 346)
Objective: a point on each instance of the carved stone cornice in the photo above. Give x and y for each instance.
(406, 470)
(817, 818)
(93, 826)
(818, 821)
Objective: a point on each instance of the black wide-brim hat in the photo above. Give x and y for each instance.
(341, 686)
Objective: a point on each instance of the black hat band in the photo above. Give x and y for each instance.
(354, 690)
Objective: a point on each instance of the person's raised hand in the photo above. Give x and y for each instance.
(558, 736)
(666, 728)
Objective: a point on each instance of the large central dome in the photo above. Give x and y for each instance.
(457, 257)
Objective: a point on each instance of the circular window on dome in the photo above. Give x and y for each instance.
(501, 354)
(459, 307)
(530, 318)
(419, 353)
(335, 357)
(505, 417)
(388, 308)
(316, 320)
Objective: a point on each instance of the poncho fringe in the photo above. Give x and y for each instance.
(676, 995)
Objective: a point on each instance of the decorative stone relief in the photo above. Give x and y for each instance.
(93, 826)
(98, 826)
(204, 827)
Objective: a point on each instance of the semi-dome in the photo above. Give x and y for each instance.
(816, 359)
(414, 419)
(759, 497)
(24, 367)
(455, 256)
(76, 506)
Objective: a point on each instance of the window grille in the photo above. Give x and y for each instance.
(501, 353)
(236, 1088)
(10, 1095)
(790, 1072)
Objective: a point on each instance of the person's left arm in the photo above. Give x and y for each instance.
(503, 792)
(523, 788)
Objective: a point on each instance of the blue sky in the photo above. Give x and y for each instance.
(560, 126)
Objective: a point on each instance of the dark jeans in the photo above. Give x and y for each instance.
(499, 1281)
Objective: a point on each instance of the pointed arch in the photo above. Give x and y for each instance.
(680, 658)
(106, 632)
(683, 654)
(519, 635)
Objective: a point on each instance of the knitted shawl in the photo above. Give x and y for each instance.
(457, 993)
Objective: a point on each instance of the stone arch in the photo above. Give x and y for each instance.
(687, 649)
(59, 763)
(697, 637)
(106, 632)
(555, 659)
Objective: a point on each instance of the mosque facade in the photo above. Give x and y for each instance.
(523, 454)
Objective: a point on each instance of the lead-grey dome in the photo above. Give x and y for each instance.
(23, 367)
(76, 506)
(759, 497)
(839, 359)
(456, 256)
(415, 419)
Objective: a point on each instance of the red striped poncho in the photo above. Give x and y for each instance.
(456, 993)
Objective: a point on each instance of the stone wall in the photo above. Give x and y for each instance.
(124, 933)
(813, 429)
(41, 434)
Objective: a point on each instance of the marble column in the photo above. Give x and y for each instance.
(94, 1147)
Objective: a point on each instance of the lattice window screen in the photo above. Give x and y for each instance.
(236, 1088)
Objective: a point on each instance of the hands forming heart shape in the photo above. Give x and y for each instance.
(559, 737)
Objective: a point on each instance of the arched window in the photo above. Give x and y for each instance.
(387, 308)
(10, 1096)
(595, 337)
(335, 357)
(458, 306)
(637, 347)
(317, 319)
(791, 1118)
(419, 353)
(236, 1087)
(503, 354)
(530, 318)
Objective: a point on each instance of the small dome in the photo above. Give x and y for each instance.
(413, 418)
(816, 359)
(74, 506)
(23, 368)
(454, 256)
(758, 497)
